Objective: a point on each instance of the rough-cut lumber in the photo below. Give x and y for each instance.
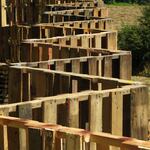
(39, 133)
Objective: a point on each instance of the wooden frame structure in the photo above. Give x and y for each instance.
(37, 135)
(60, 61)
(105, 65)
(119, 96)
(100, 108)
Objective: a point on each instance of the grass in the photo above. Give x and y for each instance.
(124, 15)
(120, 4)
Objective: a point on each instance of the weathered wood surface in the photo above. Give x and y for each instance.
(42, 135)
(36, 31)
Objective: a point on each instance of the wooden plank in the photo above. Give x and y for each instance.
(139, 113)
(73, 142)
(60, 65)
(76, 69)
(92, 64)
(102, 146)
(50, 112)
(125, 67)
(99, 67)
(98, 41)
(3, 132)
(49, 139)
(85, 41)
(107, 67)
(96, 113)
(24, 111)
(117, 113)
(95, 121)
(73, 113)
(3, 21)
(112, 41)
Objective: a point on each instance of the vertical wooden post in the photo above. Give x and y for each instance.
(96, 113)
(117, 113)
(48, 140)
(73, 116)
(139, 112)
(76, 69)
(112, 41)
(50, 112)
(95, 120)
(125, 66)
(85, 41)
(3, 131)
(107, 67)
(92, 64)
(98, 41)
(100, 66)
(102, 146)
(60, 65)
(3, 21)
(24, 111)
(74, 142)
(74, 41)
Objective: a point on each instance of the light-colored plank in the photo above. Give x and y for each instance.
(125, 66)
(139, 113)
(73, 118)
(50, 112)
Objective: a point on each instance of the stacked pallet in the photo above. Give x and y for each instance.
(3, 83)
(63, 67)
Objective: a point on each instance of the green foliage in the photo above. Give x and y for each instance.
(137, 39)
(123, 2)
(118, 3)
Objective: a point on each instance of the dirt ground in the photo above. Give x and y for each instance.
(124, 15)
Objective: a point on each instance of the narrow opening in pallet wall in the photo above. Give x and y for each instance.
(13, 138)
(126, 115)
(106, 115)
(62, 112)
(115, 68)
(68, 67)
(37, 114)
(13, 135)
(104, 42)
(83, 114)
(84, 68)
(83, 85)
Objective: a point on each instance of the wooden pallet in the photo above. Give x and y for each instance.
(101, 24)
(55, 82)
(37, 135)
(96, 103)
(11, 42)
(35, 82)
(117, 65)
(104, 40)
(74, 15)
(21, 12)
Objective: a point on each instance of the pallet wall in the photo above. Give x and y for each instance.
(63, 66)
